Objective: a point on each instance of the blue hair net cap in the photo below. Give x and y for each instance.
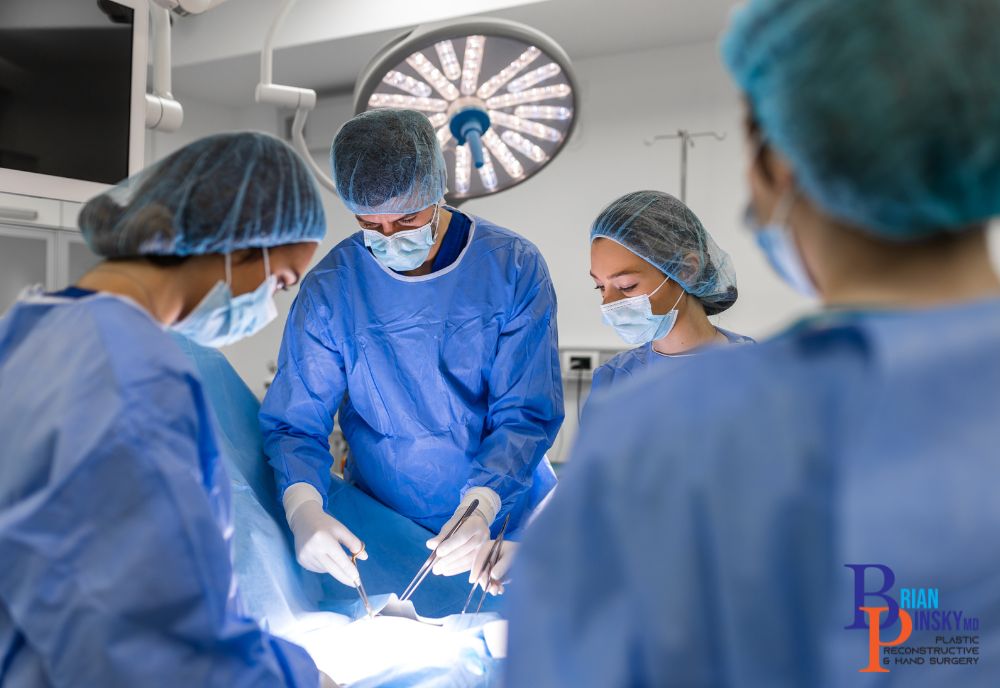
(216, 195)
(888, 111)
(388, 162)
(665, 233)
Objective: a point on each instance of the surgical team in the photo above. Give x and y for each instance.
(718, 487)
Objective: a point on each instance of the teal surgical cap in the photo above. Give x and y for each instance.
(388, 162)
(216, 195)
(666, 234)
(887, 110)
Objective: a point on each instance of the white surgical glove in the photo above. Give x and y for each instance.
(320, 539)
(508, 551)
(457, 553)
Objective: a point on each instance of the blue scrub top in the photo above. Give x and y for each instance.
(704, 528)
(115, 511)
(443, 382)
(642, 359)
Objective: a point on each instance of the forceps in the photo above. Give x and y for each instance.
(491, 560)
(426, 568)
(361, 586)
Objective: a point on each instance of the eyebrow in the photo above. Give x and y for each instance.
(619, 274)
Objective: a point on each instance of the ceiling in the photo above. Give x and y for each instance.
(584, 28)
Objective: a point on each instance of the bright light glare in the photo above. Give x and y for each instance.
(529, 96)
(395, 100)
(438, 80)
(503, 154)
(533, 77)
(407, 83)
(472, 63)
(494, 83)
(438, 119)
(449, 60)
(524, 146)
(543, 112)
(487, 173)
(370, 647)
(463, 168)
(537, 130)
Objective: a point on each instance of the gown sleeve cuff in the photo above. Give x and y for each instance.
(298, 494)
(489, 502)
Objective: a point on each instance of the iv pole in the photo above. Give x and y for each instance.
(687, 141)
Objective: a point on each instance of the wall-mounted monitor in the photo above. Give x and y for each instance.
(72, 95)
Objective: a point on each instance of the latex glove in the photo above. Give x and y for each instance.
(508, 551)
(320, 539)
(327, 682)
(457, 553)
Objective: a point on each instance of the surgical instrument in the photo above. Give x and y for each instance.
(491, 561)
(426, 568)
(361, 586)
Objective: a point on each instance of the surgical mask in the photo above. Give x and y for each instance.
(220, 318)
(403, 251)
(776, 241)
(634, 320)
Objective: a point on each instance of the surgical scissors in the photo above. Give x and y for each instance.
(492, 559)
(361, 586)
(426, 568)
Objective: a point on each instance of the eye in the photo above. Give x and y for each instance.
(599, 287)
(628, 288)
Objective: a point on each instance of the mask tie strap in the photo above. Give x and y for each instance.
(267, 266)
(229, 270)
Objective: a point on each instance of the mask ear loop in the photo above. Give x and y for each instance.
(267, 265)
(229, 271)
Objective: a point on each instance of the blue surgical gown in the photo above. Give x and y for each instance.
(704, 524)
(443, 382)
(114, 512)
(642, 359)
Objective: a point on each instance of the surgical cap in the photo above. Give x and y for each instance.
(665, 233)
(887, 110)
(216, 195)
(388, 162)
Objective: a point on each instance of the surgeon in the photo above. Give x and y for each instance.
(660, 275)
(433, 334)
(736, 538)
(114, 504)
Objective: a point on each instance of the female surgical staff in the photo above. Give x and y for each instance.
(660, 276)
(433, 334)
(822, 504)
(114, 503)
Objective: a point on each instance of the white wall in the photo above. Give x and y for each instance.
(625, 99)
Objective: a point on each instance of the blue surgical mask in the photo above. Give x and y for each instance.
(403, 251)
(634, 320)
(776, 241)
(220, 318)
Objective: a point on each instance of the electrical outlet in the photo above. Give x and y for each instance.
(579, 364)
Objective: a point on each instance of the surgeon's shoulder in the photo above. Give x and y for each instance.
(135, 346)
(730, 404)
(492, 236)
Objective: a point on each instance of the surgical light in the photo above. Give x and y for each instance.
(502, 97)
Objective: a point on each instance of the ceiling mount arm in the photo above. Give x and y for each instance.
(302, 100)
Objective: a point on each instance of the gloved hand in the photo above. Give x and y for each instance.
(320, 539)
(457, 553)
(508, 551)
(327, 682)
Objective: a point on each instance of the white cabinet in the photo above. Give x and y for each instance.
(52, 258)
(39, 244)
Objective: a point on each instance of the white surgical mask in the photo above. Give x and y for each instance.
(634, 320)
(220, 318)
(403, 251)
(776, 241)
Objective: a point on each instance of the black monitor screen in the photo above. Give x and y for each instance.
(65, 93)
